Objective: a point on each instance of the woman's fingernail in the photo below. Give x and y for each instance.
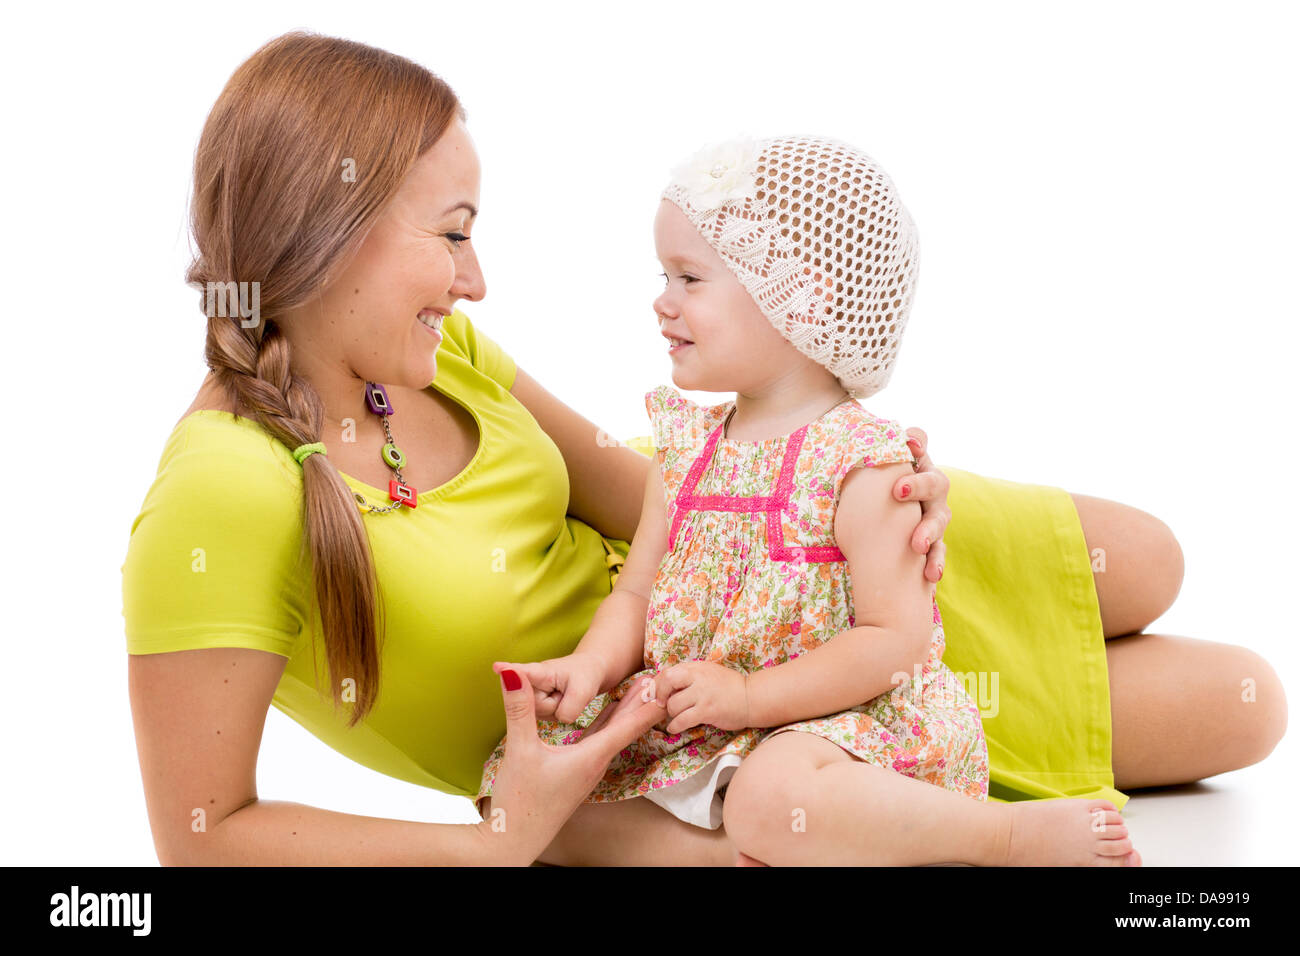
(914, 443)
(941, 570)
(511, 680)
(925, 545)
(907, 490)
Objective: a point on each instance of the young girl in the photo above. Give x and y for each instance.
(770, 597)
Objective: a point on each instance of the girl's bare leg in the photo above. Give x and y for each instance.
(1177, 708)
(1181, 709)
(634, 832)
(801, 800)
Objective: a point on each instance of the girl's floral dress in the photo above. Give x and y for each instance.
(752, 579)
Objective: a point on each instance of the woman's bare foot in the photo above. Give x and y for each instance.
(1068, 831)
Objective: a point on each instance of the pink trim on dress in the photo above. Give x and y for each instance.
(773, 505)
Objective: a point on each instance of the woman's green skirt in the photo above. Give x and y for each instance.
(1023, 629)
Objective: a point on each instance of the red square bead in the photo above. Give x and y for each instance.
(400, 492)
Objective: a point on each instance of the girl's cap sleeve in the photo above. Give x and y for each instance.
(675, 419)
(658, 403)
(213, 558)
(868, 441)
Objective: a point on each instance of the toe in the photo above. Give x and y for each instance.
(1121, 847)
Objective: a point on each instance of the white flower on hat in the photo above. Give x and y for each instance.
(720, 173)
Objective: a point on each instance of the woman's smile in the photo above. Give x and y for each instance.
(432, 321)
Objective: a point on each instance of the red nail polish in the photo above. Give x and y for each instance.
(907, 490)
(511, 680)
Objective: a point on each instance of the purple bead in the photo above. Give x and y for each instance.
(377, 399)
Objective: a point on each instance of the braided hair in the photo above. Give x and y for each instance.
(273, 204)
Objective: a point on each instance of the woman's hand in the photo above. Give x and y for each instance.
(929, 486)
(539, 785)
(564, 686)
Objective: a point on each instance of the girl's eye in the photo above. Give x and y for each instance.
(457, 238)
(686, 278)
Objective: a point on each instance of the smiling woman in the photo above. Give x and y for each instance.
(341, 179)
(241, 207)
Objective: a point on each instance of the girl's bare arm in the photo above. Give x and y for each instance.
(617, 631)
(892, 607)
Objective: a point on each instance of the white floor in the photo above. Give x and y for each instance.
(1243, 818)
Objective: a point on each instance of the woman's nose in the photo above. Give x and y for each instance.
(469, 282)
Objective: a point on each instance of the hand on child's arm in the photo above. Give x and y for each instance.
(929, 486)
(702, 692)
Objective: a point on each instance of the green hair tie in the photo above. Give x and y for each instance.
(302, 451)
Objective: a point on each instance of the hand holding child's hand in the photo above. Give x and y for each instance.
(701, 692)
(564, 686)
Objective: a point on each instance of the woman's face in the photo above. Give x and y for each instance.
(367, 317)
(735, 348)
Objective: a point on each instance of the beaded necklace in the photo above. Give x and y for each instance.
(399, 492)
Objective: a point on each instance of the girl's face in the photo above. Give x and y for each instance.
(734, 348)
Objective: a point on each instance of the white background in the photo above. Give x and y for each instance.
(1107, 200)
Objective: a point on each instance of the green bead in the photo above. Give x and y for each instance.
(393, 455)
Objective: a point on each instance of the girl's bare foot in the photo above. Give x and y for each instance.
(1068, 831)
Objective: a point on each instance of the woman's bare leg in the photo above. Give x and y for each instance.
(635, 832)
(1183, 709)
(801, 800)
(1179, 709)
(1137, 563)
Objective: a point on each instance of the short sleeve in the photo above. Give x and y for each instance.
(213, 558)
(868, 441)
(478, 349)
(675, 419)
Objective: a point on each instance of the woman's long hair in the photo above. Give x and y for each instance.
(304, 149)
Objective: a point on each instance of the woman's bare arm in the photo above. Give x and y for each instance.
(198, 718)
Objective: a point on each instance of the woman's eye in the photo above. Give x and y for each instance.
(457, 238)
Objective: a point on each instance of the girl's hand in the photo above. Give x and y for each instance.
(539, 785)
(930, 487)
(563, 686)
(701, 692)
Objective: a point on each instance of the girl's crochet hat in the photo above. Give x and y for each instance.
(816, 234)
